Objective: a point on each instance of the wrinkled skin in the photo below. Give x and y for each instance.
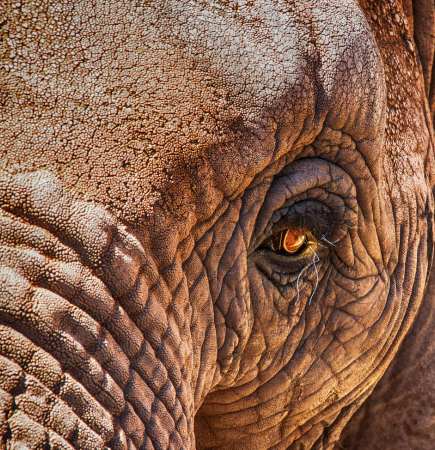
(149, 149)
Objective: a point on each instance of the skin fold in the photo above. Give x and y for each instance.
(149, 152)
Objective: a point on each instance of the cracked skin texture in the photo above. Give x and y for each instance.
(147, 150)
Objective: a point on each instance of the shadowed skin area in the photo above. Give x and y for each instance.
(149, 151)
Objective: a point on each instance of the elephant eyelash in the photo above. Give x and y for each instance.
(322, 225)
(294, 283)
(314, 262)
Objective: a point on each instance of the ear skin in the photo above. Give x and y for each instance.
(423, 17)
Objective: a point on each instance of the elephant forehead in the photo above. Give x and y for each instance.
(125, 101)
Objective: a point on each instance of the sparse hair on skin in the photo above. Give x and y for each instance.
(313, 262)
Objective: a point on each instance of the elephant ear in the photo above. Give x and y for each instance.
(421, 15)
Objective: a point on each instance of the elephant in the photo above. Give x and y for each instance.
(216, 226)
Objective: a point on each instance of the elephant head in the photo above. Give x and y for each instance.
(216, 218)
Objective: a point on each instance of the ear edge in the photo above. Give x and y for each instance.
(424, 36)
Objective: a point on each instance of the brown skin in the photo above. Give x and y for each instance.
(403, 402)
(400, 413)
(146, 148)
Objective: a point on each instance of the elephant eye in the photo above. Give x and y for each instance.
(291, 241)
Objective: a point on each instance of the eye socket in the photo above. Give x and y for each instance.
(290, 241)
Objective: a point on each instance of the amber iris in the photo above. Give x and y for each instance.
(289, 241)
(293, 240)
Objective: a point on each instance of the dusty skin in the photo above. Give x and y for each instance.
(216, 224)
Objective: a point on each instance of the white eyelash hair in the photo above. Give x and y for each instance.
(314, 262)
(324, 238)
